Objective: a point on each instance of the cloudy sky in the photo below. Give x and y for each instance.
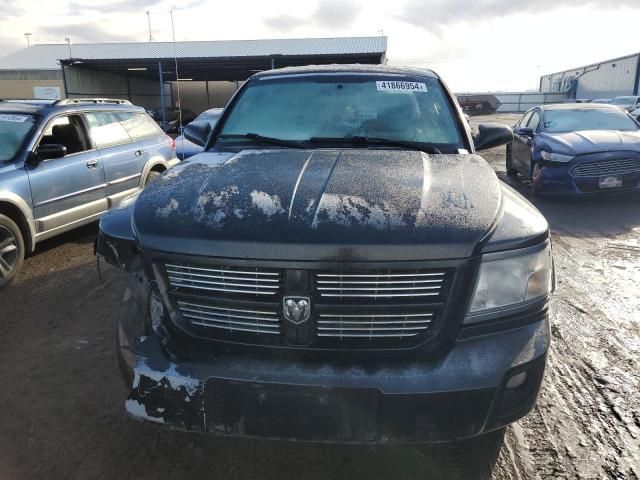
(476, 45)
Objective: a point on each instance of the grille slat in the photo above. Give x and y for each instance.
(381, 284)
(374, 325)
(231, 319)
(606, 167)
(224, 279)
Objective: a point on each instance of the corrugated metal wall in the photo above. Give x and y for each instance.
(83, 82)
(601, 80)
(193, 95)
(610, 79)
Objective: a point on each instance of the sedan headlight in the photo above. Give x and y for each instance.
(511, 279)
(555, 157)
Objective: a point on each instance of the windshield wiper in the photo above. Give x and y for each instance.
(261, 138)
(371, 141)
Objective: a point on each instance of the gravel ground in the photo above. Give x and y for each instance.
(62, 395)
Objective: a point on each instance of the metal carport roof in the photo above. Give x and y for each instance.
(200, 60)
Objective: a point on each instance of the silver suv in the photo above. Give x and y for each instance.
(64, 163)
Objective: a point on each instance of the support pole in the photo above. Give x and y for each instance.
(64, 81)
(206, 83)
(162, 105)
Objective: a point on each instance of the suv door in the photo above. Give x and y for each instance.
(68, 189)
(123, 157)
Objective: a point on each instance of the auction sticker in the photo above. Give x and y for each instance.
(396, 86)
(4, 117)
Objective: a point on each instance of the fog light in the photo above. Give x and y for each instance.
(517, 380)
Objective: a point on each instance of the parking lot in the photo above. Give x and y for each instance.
(62, 396)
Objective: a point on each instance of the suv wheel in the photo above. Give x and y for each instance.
(512, 172)
(11, 250)
(152, 177)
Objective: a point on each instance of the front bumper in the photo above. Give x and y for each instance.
(558, 180)
(459, 394)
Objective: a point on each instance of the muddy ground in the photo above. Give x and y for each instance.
(61, 395)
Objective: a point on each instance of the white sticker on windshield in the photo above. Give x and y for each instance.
(396, 86)
(5, 117)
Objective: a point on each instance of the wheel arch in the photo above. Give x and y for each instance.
(155, 164)
(18, 211)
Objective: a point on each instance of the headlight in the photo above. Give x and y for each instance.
(510, 279)
(555, 157)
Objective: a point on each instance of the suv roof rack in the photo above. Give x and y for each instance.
(35, 101)
(73, 101)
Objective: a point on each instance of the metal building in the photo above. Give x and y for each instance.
(608, 79)
(146, 74)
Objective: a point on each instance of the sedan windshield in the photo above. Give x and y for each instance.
(566, 120)
(332, 109)
(14, 129)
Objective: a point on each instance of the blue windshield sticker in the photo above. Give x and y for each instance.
(4, 117)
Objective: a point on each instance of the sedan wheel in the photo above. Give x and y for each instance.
(536, 178)
(509, 162)
(11, 250)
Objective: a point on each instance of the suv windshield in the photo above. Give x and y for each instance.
(557, 121)
(624, 100)
(14, 129)
(331, 108)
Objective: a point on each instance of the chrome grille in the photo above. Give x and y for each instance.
(379, 284)
(606, 167)
(373, 326)
(224, 279)
(231, 319)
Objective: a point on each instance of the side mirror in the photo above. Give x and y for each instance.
(524, 132)
(492, 135)
(52, 150)
(198, 132)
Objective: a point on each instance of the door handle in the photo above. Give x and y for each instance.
(139, 153)
(92, 163)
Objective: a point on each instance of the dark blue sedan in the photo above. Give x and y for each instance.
(576, 149)
(185, 148)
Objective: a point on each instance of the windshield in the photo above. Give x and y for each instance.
(623, 100)
(557, 121)
(317, 107)
(14, 129)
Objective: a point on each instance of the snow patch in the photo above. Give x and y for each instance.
(137, 409)
(269, 204)
(165, 211)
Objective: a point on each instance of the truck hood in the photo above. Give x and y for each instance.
(591, 141)
(320, 205)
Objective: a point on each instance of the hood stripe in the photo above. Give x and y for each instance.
(295, 189)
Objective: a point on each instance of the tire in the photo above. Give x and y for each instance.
(536, 188)
(152, 177)
(512, 172)
(11, 250)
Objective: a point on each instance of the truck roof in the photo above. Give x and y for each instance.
(349, 68)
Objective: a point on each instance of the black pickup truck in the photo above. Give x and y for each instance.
(337, 265)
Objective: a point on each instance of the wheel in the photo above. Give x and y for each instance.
(512, 172)
(536, 179)
(152, 177)
(11, 250)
